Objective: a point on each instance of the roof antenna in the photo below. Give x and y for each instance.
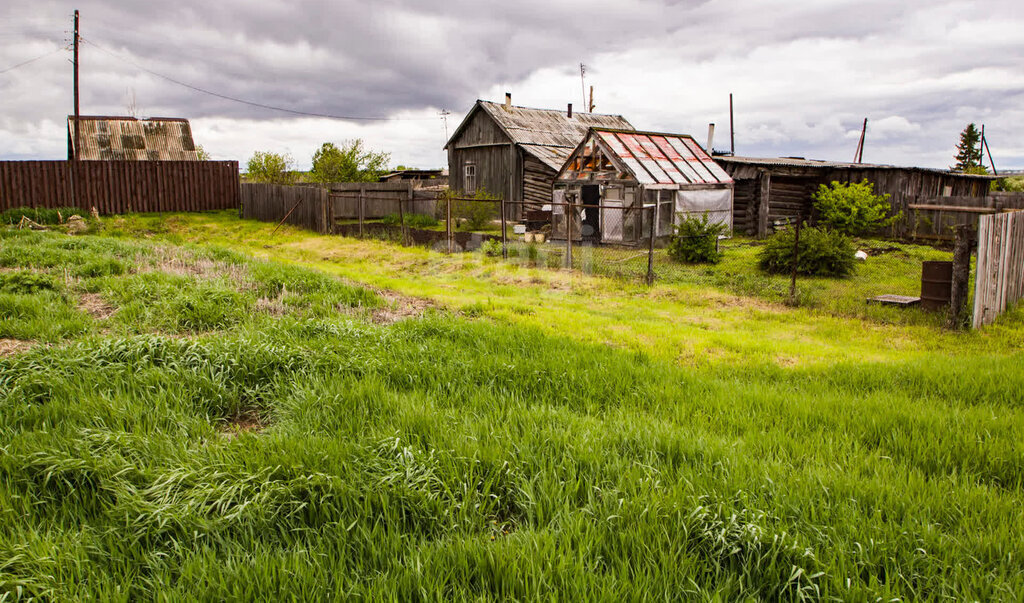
(583, 83)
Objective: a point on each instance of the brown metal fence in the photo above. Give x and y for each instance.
(115, 187)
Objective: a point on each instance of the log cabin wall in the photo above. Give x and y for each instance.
(793, 184)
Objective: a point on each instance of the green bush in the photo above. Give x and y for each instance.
(476, 212)
(1012, 184)
(821, 253)
(491, 248)
(853, 208)
(696, 240)
(411, 220)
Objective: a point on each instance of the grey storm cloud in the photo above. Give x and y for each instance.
(805, 73)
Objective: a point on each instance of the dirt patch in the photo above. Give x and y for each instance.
(94, 305)
(246, 422)
(399, 307)
(10, 347)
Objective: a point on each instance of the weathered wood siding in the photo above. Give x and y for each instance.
(483, 143)
(538, 183)
(744, 207)
(1000, 277)
(309, 205)
(115, 187)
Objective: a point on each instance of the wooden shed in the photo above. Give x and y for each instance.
(127, 138)
(515, 152)
(626, 182)
(770, 190)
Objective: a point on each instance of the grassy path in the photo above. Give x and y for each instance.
(690, 325)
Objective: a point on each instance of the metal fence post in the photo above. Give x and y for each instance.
(362, 210)
(796, 259)
(504, 237)
(448, 219)
(401, 220)
(650, 248)
(568, 233)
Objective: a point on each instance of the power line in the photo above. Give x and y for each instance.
(42, 56)
(248, 102)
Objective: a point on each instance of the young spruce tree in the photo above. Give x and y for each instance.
(968, 151)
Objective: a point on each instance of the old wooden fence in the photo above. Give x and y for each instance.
(372, 200)
(935, 218)
(115, 187)
(305, 206)
(1000, 273)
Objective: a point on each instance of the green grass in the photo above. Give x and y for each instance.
(571, 437)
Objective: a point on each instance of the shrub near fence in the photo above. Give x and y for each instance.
(115, 187)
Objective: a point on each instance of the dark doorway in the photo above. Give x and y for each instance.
(591, 195)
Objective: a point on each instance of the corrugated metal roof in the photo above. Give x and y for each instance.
(842, 165)
(553, 157)
(660, 158)
(547, 134)
(120, 138)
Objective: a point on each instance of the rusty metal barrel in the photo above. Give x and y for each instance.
(936, 284)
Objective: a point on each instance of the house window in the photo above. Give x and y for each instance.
(469, 180)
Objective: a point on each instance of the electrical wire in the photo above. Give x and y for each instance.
(42, 56)
(248, 102)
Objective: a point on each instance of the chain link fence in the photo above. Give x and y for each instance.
(631, 244)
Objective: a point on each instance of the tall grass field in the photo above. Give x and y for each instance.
(183, 420)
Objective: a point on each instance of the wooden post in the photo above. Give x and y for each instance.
(796, 259)
(650, 246)
(568, 232)
(361, 209)
(961, 277)
(504, 239)
(763, 203)
(448, 218)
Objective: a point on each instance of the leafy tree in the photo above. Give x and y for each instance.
(274, 168)
(203, 155)
(348, 163)
(968, 151)
(696, 240)
(821, 253)
(852, 208)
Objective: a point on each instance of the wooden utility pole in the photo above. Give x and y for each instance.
(78, 138)
(984, 142)
(732, 133)
(858, 157)
(590, 106)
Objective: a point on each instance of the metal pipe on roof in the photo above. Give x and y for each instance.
(569, 113)
(711, 137)
(508, 101)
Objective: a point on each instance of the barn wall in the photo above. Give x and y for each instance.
(538, 182)
(482, 142)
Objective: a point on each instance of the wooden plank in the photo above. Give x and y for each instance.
(952, 208)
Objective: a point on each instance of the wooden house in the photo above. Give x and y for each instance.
(515, 152)
(620, 184)
(777, 190)
(128, 138)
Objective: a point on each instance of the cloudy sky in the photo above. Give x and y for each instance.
(804, 75)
